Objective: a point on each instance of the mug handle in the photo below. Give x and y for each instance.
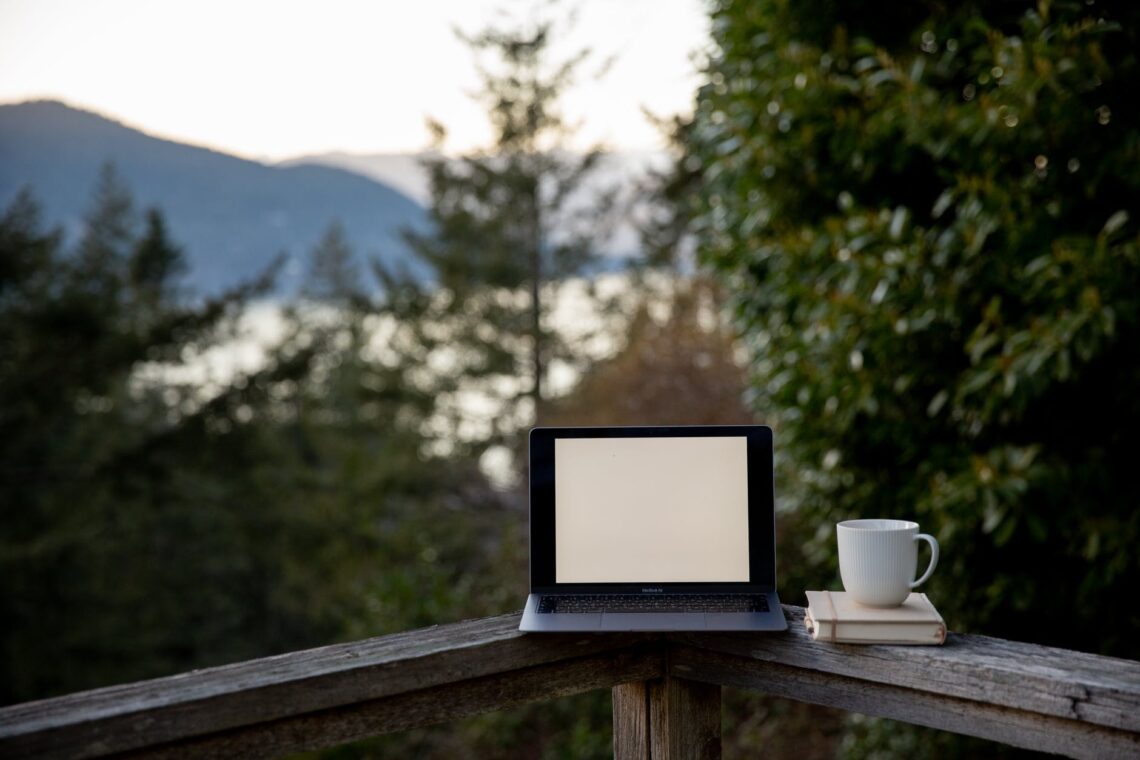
(933, 557)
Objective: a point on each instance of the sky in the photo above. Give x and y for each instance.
(274, 79)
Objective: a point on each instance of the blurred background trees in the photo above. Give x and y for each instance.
(508, 225)
(154, 522)
(97, 516)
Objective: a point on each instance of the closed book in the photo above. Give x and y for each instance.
(834, 616)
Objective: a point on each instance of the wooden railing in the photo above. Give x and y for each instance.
(666, 692)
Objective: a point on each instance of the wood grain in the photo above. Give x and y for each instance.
(417, 708)
(684, 719)
(1058, 682)
(1020, 728)
(631, 721)
(177, 708)
(667, 719)
(1027, 695)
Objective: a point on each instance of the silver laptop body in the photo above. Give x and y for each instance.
(652, 529)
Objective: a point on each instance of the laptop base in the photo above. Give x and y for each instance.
(554, 622)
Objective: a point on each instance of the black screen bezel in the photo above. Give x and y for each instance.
(761, 509)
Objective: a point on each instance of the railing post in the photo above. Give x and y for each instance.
(631, 721)
(666, 719)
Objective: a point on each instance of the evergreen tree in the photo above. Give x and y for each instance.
(333, 273)
(507, 227)
(154, 266)
(155, 524)
(127, 550)
(108, 230)
(364, 416)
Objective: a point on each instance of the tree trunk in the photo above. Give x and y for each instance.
(535, 244)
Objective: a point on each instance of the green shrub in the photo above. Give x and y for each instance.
(928, 219)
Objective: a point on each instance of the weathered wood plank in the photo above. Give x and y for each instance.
(1022, 694)
(667, 719)
(418, 708)
(149, 713)
(684, 719)
(631, 721)
(1055, 682)
(1018, 727)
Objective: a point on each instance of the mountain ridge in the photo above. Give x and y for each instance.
(623, 172)
(231, 215)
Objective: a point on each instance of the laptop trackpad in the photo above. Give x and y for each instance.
(653, 621)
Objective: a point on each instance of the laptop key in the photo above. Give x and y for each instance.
(593, 603)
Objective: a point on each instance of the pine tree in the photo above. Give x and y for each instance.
(333, 273)
(506, 227)
(108, 228)
(125, 527)
(154, 265)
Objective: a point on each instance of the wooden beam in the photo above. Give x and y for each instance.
(684, 720)
(423, 707)
(308, 683)
(1060, 683)
(631, 721)
(1022, 694)
(1019, 728)
(667, 719)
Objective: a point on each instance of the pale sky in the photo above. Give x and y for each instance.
(272, 79)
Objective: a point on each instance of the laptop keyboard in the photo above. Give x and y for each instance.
(586, 603)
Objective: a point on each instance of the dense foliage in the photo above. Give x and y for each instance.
(154, 522)
(928, 219)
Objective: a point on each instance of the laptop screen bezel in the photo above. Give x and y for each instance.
(761, 509)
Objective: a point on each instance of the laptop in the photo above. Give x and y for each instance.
(652, 529)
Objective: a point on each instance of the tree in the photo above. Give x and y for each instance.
(333, 273)
(137, 541)
(507, 225)
(927, 218)
(677, 364)
(676, 370)
(153, 524)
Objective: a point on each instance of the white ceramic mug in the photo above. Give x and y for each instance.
(878, 558)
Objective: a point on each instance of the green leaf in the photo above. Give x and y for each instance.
(1115, 222)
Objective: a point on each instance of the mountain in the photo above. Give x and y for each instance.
(232, 216)
(623, 172)
(402, 171)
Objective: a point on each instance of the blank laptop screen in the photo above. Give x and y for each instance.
(632, 510)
